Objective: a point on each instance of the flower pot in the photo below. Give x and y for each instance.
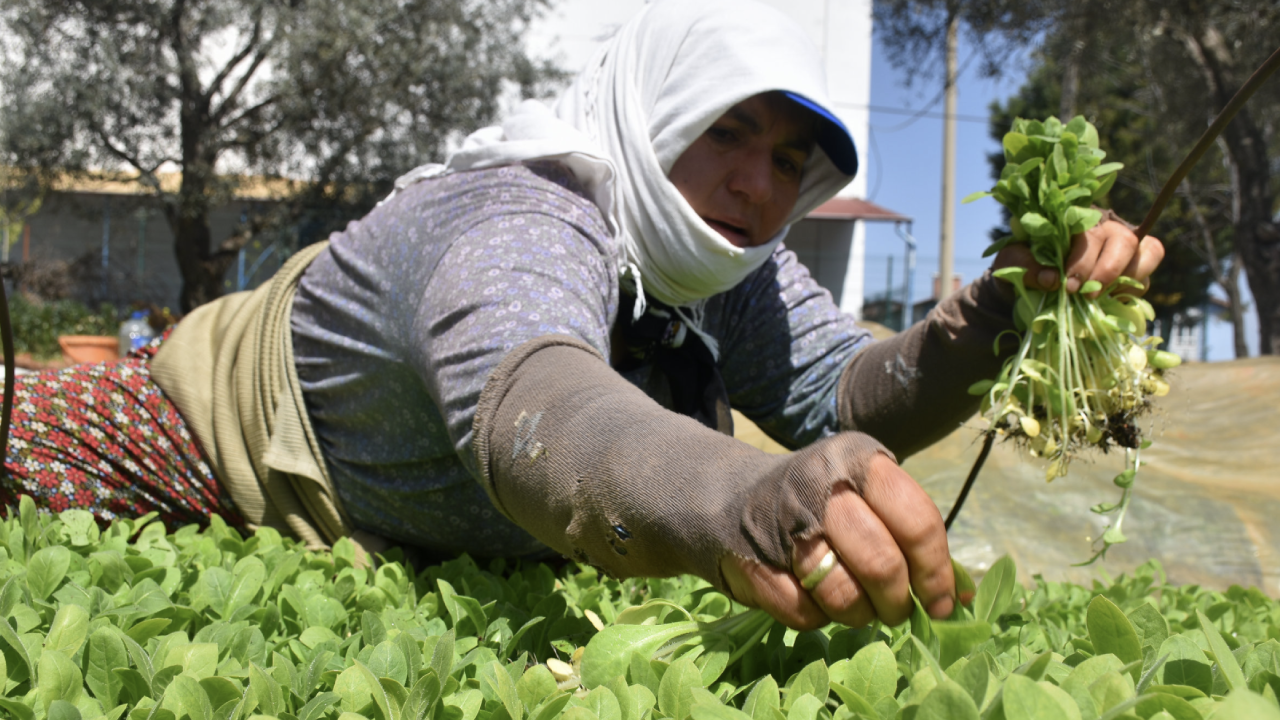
(78, 349)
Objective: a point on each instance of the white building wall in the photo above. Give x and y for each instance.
(571, 31)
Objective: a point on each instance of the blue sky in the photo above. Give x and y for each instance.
(904, 164)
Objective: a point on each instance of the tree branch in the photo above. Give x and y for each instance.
(229, 101)
(238, 58)
(248, 112)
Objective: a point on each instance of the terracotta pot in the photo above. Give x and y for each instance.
(78, 349)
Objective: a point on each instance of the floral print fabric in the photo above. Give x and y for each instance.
(104, 438)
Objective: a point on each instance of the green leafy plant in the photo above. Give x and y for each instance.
(1083, 371)
(135, 621)
(37, 324)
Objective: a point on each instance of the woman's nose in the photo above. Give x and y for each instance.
(752, 177)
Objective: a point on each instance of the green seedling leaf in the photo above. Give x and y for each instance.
(551, 707)
(995, 591)
(1091, 286)
(1247, 705)
(1176, 707)
(536, 684)
(1111, 632)
(948, 701)
(609, 652)
(199, 660)
(1153, 629)
(141, 660)
(246, 581)
(424, 696)
(1035, 668)
(629, 704)
(604, 704)
(854, 701)
(981, 388)
(388, 661)
(186, 698)
(805, 707)
(60, 679)
(62, 710)
(317, 707)
(220, 690)
(872, 673)
(376, 690)
(976, 678)
(1014, 145)
(497, 683)
(147, 629)
(133, 686)
(716, 712)
(764, 697)
(68, 631)
(975, 196)
(813, 680)
(17, 709)
(675, 691)
(964, 582)
(266, 691)
(956, 638)
(47, 569)
(442, 656)
(1227, 663)
(106, 654)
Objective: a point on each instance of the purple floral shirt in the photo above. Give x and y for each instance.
(398, 324)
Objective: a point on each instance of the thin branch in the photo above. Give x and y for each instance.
(248, 112)
(119, 152)
(1210, 253)
(229, 101)
(237, 58)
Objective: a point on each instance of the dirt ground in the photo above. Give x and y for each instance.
(1206, 505)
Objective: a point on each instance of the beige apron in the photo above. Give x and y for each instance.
(228, 368)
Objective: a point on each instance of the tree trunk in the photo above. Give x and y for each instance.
(1228, 278)
(1232, 287)
(203, 271)
(1257, 236)
(203, 268)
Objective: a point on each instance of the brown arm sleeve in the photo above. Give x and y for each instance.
(595, 469)
(911, 390)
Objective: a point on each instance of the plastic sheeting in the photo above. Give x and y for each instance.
(1206, 505)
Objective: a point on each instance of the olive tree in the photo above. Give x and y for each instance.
(339, 96)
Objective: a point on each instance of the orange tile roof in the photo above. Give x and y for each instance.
(849, 208)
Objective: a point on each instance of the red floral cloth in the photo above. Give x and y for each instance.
(104, 438)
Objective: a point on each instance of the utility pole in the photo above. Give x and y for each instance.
(946, 246)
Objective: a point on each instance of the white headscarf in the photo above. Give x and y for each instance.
(646, 95)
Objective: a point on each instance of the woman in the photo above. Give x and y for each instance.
(490, 360)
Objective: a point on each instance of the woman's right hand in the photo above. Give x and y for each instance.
(887, 536)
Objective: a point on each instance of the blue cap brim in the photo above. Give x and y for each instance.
(833, 137)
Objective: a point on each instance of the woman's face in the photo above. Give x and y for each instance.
(742, 176)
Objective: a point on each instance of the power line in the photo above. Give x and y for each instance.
(917, 113)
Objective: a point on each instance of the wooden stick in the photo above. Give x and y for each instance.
(1210, 134)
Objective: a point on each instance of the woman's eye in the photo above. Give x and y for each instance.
(721, 134)
(788, 167)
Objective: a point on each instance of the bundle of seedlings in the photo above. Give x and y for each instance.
(1084, 371)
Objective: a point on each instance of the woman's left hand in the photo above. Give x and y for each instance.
(1103, 253)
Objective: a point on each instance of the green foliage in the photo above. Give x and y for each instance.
(136, 622)
(37, 324)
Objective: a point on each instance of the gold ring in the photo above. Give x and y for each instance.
(818, 574)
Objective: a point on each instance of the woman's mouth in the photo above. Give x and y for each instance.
(735, 234)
